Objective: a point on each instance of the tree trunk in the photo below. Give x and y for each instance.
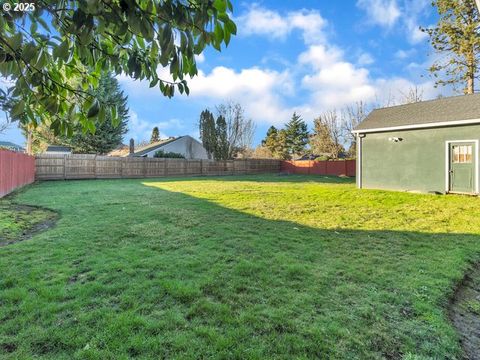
(470, 84)
(471, 70)
(29, 142)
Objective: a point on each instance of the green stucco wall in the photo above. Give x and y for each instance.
(417, 163)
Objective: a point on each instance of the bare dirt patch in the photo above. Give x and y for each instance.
(465, 313)
(21, 222)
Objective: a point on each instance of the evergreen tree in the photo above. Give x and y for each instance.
(276, 143)
(107, 135)
(155, 135)
(272, 131)
(296, 135)
(221, 146)
(456, 36)
(207, 132)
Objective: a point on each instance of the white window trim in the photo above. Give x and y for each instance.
(447, 163)
(419, 126)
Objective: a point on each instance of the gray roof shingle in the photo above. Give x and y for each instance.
(456, 108)
(154, 146)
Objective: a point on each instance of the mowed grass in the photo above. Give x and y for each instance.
(236, 268)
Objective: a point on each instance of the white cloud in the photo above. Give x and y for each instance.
(404, 13)
(320, 79)
(261, 21)
(404, 54)
(381, 12)
(260, 91)
(365, 59)
(141, 130)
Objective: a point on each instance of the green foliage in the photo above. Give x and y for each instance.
(168, 154)
(276, 143)
(155, 135)
(231, 134)
(289, 142)
(208, 133)
(221, 146)
(297, 135)
(456, 36)
(56, 54)
(258, 267)
(107, 134)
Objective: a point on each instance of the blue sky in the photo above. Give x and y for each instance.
(304, 56)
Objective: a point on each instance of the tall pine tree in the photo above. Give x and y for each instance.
(456, 36)
(221, 148)
(207, 132)
(296, 135)
(155, 135)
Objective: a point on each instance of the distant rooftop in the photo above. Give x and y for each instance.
(11, 146)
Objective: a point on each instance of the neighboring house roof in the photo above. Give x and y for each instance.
(456, 110)
(121, 150)
(11, 146)
(58, 148)
(154, 146)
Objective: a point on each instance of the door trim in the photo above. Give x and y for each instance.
(447, 163)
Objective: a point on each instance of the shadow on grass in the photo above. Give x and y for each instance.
(139, 271)
(262, 178)
(382, 285)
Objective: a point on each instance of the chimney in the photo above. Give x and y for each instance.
(132, 147)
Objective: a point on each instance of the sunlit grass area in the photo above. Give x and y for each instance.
(236, 267)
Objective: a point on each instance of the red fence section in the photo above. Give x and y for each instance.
(310, 167)
(16, 170)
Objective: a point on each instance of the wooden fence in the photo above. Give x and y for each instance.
(16, 170)
(309, 167)
(66, 167)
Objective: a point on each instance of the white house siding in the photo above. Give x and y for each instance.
(186, 145)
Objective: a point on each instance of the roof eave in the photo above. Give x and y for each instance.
(418, 126)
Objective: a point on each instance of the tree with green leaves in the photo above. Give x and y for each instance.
(297, 135)
(106, 137)
(155, 135)
(276, 142)
(456, 36)
(55, 55)
(208, 133)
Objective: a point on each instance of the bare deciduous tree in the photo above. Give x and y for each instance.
(240, 130)
(4, 125)
(352, 116)
(327, 137)
(413, 95)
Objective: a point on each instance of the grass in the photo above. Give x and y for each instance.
(17, 222)
(236, 268)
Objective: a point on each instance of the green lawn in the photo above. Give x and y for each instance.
(236, 267)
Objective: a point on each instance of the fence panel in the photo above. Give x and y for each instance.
(16, 170)
(63, 167)
(309, 167)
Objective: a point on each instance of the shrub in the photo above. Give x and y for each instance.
(170, 155)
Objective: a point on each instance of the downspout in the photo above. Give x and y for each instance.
(359, 160)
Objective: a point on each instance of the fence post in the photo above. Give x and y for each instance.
(64, 167)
